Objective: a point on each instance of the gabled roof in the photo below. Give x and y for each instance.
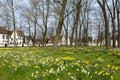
(3, 30)
(52, 38)
(20, 32)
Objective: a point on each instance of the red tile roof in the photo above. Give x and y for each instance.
(3, 30)
(20, 32)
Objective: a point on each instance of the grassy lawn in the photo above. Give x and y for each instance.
(35, 63)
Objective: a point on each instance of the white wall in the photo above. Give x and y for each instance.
(3, 41)
(116, 42)
(19, 40)
(0, 38)
(64, 40)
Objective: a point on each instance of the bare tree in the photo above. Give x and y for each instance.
(73, 30)
(11, 7)
(80, 30)
(76, 17)
(103, 7)
(35, 17)
(66, 27)
(86, 20)
(60, 23)
(31, 14)
(77, 20)
(118, 19)
(100, 34)
(112, 14)
(5, 16)
(45, 13)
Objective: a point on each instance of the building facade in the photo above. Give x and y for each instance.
(7, 37)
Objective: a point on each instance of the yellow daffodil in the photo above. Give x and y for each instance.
(108, 65)
(100, 72)
(107, 73)
(36, 67)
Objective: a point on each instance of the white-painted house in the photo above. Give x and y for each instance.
(63, 40)
(7, 37)
(19, 37)
(4, 36)
(3, 39)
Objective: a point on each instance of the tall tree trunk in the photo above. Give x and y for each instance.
(66, 38)
(113, 34)
(84, 36)
(99, 34)
(103, 7)
(29, 31)
(71, 38)
(118, 20)
(66, 33)
(60, 24)
(87, 26)
(112, 14)
(45, 21)
(101, 38)
(8, 28)
(34, 36)
(106, 30)
(44, 37)
(35, 25)
(78, 6)
(75, 24)
(80, 33)
(14, 23)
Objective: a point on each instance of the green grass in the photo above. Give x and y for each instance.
(68, 63)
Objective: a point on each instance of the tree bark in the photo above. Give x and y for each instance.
(14, 23)
(60, 24)
(80, 33)
(29, 31)
(66, 33)
(103, 7)
(35, 25)
(118, 20)
(77, 20)
(45, 21)
(112, 14)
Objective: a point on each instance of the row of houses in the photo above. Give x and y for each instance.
(7, 37)
(90, 41)
(62, 40)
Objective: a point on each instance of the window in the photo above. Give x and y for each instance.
(21, 38)
(7, 37)
(3, 36)
(11, 39)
